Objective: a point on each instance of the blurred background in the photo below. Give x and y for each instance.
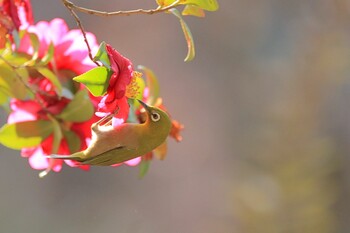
(266, 145)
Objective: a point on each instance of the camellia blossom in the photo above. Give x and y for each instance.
(31, 110)
(176, 128)
(115, 99)
(20, 12)
(70, 50)
(123, 84)
(14, 15)
(70, 59)
(6, 26)
(47, 71)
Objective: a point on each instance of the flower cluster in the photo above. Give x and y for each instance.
(69, 59)
(57, 111)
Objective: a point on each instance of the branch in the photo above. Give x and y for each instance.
(80, 25)
(71, 5)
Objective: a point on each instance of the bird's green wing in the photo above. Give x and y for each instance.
(117, 155)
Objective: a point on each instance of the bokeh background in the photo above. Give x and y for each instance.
(266, 146)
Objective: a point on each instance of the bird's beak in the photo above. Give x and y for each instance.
(144, 105)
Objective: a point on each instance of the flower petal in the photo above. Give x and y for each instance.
(117, 121)
(133, 162)
(38, 160)
(23, 111)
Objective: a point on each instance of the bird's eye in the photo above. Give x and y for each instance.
(155, 116)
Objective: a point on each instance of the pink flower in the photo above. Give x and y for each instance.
(115, 98)
(70, 59)
(70, 49)
(30, 110)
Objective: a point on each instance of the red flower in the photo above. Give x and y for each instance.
(115, 99)
(70, 58)
(20, 11)
(14, 14)
(176, 128)
(30, 110)
(6, 26)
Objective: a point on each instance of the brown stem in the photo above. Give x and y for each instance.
(71, 7)
(69, 4)
(80, 25)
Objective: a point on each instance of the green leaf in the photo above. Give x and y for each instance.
(5, 91)
(66, 80)
(193, 10)
(16, 38)
(73, 141)
(49, 55)
(66, 93)
(10, 81)
(96, 80)
(13, 78)
(144, 167)
(132, 117)
(15, 59)
(152, 84)
(208, 5)
(36, 45)
(80, 109)
(25, 134)
(102, 55)
(47, 73)
(57, 135)
(3, 97)
(188, 35)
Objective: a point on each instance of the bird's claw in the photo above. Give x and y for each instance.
(107, 118)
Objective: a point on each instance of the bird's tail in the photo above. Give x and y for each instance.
(75, 157)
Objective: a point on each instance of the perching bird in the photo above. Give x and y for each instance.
(127, 141)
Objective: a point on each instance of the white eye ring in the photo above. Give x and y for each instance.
(155, 116)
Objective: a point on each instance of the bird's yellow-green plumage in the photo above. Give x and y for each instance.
(115, 145)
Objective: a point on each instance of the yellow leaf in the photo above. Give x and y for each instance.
(194, 11)
(208, 5)
(188, 36)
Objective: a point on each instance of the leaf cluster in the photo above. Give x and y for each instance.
(18, 74)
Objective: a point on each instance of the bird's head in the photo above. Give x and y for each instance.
(156, 116)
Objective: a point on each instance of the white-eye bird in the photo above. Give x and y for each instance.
(111, 145)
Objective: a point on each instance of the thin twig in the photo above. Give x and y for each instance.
(80, 25)
(71, 5)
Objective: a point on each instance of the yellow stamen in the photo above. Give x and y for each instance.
(133, 89)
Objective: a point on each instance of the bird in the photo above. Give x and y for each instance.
(127, 141)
